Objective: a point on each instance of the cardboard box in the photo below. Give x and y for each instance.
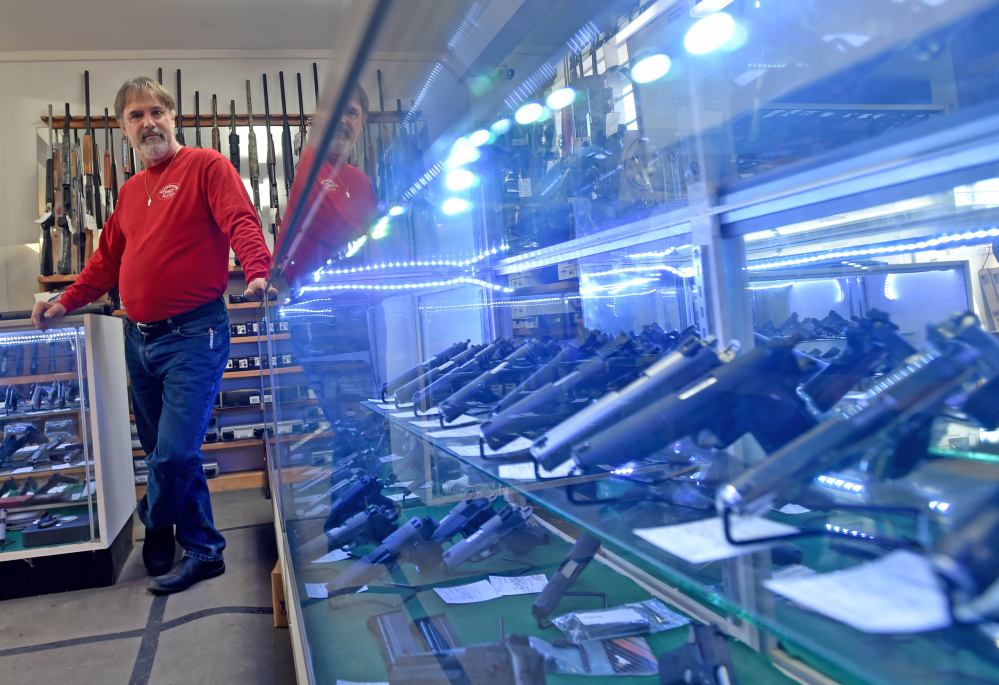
(277, 598)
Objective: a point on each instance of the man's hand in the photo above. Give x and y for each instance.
(45, 310)
(255, 290)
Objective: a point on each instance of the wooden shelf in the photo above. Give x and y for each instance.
(221, 445)
(25, 416)
(236, 480)
(243, 305)
(58, 278)
(252, 338)
(253, 373)
(41, 378)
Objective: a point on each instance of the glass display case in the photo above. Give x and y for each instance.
(61, 492)
(704, 291)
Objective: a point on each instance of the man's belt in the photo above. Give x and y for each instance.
(152, 328)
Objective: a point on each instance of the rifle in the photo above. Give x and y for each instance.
(498, 528)
(286, 147)
(126, 155)
(80, 209)
(91, 167)
(45, 250)
(389, 388)
(216, 137)
(252, 152)
(315, 81)
(110, 176)
(233, 136)
(301, 117)
(197, 119)
(675, 370)
(180, 113)
(65, 264)
(271, 162)
(382, 171)
(410, 540)
(896, 408)
(755, 393)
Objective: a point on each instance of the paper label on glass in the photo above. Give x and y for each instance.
(518, 585)
(793, 509)
(389, 457)
(702, 541)
(898, 593)
(481, 591)
(335, 555)
(466, 432)
(316, 590)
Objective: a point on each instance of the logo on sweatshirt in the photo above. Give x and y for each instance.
(168, 191)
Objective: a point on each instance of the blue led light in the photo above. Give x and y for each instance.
(461, 179)
(501, 126)
(529, 113)
(709, 33)
(651, 68)
(462, 153)
(455, 205)
(397, 211)
(481, 137)
(560, 98)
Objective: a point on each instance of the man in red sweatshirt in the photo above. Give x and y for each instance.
(166, 247)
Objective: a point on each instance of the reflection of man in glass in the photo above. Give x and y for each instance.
(342, 203)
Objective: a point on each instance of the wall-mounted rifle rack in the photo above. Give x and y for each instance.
(206, 120)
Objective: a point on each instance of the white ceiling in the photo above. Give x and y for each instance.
(169, 24)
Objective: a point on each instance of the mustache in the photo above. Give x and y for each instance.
(152, 132)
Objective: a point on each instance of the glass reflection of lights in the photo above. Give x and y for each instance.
(406, 286)
(355, 247)
(615, 288)
(660, 253)
(843, 530)
(421, 262)
(397, 211)
(529, 113)
(709, 33)
(501, 126)
(560, 98)
(461, 179)
(775, 286)
(939, 506)
(890, 291)
(47, 336)
(481, 137)
(455, 205)
(840, 484)
(423, 182)
(950, 240)
(381, 229)
(462, 153)
(687, 272)
(651, 68)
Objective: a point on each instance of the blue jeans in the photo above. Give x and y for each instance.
(175, 377)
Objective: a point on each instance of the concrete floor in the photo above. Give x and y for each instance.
(219, 631)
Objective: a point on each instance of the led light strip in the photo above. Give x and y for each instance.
(928, 244)
(661, 253)
(405, 286)
(429, 262)
(687, 272)
(423, 181)
(38, 338)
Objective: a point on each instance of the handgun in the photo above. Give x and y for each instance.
(411, 541)
(674, 371)
(355, 499)
(404, 393)
(892, 410)
(370, 526)
(465, 518)
(568, 573)
(389, 388)
(441, 387)
(490, 534)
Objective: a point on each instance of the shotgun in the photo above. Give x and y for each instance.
(180, 113)
(233, 136)
(286, 146)
(252, 152)
(271, 161)
(65, 264)
(45, 250)
(197, 119)
(216, 138)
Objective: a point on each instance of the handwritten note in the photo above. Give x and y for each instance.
(518, 585)
(335, 555)
(481, 591)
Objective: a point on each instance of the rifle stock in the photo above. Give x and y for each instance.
(251, 148)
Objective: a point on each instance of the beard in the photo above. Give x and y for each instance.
(155, 148)
(341, 146)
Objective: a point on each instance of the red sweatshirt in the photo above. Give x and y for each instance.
(172, 255)
(336, 219)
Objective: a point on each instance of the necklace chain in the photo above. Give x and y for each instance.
(145, 183)
(336, 177)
